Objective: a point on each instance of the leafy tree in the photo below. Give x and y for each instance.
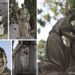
(13, 10)
(57, 7)
(41, 49)
(31, 5)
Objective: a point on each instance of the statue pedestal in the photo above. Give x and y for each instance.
(25, 73)
(14, 31)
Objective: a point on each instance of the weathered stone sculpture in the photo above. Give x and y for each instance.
(1, 26)
(14, 31)
(3, 63)
(4, 15)
(72, 46)
(57, 57)
(24, 23)
(24, 58)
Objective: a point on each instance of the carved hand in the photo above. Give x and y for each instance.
(69, 36)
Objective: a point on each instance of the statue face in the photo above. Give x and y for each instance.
(1, 61)
(2, 65)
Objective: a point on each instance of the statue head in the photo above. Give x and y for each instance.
(62, 25)
(3, 60)
(23, 6)
(25, 50)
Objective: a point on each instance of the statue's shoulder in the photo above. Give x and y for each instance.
(7, 71)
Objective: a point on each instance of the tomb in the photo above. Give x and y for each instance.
(24, 58)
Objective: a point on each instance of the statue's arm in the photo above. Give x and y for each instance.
(69, 36)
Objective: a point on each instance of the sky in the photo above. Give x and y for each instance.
(6, 45)
(45, 30)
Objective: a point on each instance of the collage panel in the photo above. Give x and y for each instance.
(22, 17)
(3, 19)
(5, 58)
(56, 37)
(24, 57)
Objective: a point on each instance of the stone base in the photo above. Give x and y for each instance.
(25, 73)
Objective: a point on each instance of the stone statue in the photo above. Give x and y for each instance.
(24, 23)
(24, 57)
(1, 26)
(25, 13)
(57, 54)
(3, 63)
(73, 41)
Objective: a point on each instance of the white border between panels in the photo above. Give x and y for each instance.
(8, 19)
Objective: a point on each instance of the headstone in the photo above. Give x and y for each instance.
(24, 58)
(14, 31)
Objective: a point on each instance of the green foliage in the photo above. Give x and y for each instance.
(62, 10)
(40, 11)
(41, 44)
(48, 1)
(71, 3)
(47, 17)
(39, 30)
(54, 10)
(53, 7)
(31, 5)
(13, 10)
(41, 54)
(41, 22)
(41, 49)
